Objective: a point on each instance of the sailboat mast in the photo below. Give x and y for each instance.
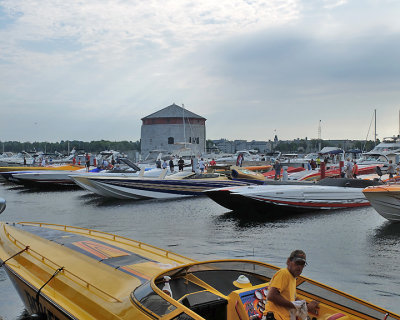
(375, 126)
(183, 119)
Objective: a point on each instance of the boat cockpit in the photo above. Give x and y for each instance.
(237, 290)
(212, 290)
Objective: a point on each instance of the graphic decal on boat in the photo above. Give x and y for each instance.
(143, 278)
(108, 254)
(100, 250)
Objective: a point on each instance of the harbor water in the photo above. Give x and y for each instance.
(355, 250)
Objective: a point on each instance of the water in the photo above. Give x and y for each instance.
(356, 251)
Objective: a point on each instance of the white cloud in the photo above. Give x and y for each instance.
(114, 62)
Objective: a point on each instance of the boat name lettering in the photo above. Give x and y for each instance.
(42, 309)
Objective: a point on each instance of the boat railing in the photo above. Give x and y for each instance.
(109, 236)
(53, 265)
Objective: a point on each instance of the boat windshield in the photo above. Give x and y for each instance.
(320, 292)
(147, 298)
(221, 274)
(202, 285)
(373, 157)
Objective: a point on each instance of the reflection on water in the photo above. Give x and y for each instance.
(388, 230)
(356, 251)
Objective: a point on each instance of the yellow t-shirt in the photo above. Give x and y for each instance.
(284, 281)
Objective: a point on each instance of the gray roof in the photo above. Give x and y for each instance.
(173, 111)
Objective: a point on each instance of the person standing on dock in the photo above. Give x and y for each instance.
(171, 165)
(355, 169)
(277, 167)
(87, 162)
(349, 169)
(202, 165)
(181, 163)
(165, 165)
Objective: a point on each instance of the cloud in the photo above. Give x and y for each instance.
(111, 63)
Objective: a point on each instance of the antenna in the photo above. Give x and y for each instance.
(319, 130)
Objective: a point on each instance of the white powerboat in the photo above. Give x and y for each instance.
(181, 184)
(388, 149)
(386, 200)
(280, 197)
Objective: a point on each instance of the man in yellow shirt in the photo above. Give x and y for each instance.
(282, 288)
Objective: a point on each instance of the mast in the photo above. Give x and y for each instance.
(183, 119)
(319, 135)
(375, 125)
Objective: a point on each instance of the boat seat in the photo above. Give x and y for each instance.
(207, 305)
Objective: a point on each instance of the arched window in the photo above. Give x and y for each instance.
(171, 140)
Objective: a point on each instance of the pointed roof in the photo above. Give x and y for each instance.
(173, 111)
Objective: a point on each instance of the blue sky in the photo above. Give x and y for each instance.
(90, 70)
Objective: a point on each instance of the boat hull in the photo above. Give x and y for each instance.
(385, 200)
(80, 273)
(276, 200)
(46, 179)
(34, 304)
(67, 272)
(151, 188)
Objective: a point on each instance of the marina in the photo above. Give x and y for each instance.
(353, 250)
(230, 160)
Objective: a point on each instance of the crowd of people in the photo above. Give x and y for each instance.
(198, 165)
(349, 169)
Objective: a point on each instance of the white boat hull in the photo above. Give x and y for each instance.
(386, 201)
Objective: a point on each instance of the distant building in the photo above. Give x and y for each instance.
(171, 128)
(227, 146)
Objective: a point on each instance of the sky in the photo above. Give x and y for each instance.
(91, 69)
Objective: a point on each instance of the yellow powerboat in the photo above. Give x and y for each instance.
(64, 272)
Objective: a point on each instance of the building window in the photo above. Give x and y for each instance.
(171, 140)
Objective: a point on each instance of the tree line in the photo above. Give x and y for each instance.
(314, 144)
(66, 146)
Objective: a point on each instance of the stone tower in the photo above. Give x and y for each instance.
(171, 129)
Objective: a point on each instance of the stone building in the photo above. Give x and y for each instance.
(171, 129)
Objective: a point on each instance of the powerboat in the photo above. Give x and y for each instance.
(53, 178)
(385, 200)
(63, 272)
(61, 178)
(332, 171)
(37, 168)
(181, 184)
(389, 148)
(277, 198)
